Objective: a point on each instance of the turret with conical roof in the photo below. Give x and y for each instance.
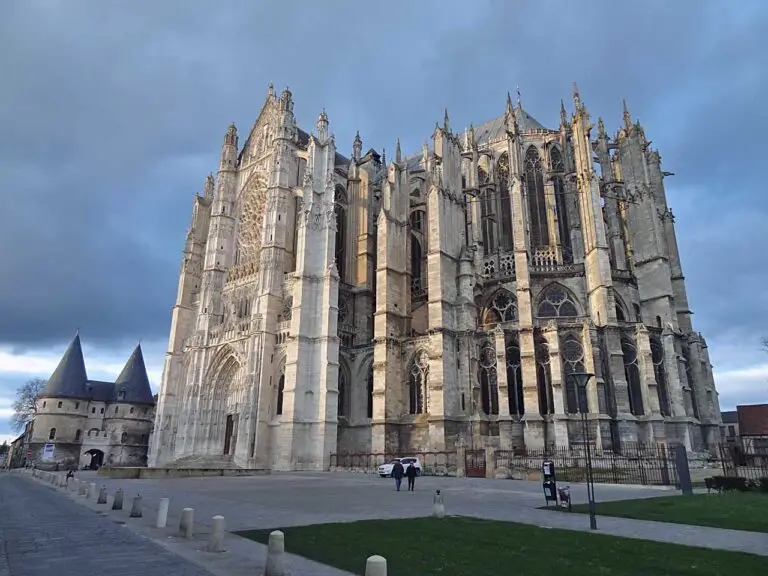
(132, 385)
(69, 379)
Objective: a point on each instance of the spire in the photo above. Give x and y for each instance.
(446, 122)
(357, 147)
(471, 137)
(322, 126)
(398, 154)
(69, 379)
(519, 103)
(132, 385)
(601, 128)
(286, 100)
(510, 117)
(383, 156)
(425, 151)
(576, 98)
(563, 114)
(208, 187)
(271, 90)
(230, 138)
(627, 116)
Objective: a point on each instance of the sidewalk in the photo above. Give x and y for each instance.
(242, 557)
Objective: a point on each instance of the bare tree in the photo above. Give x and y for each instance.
(764, 343)
(25, 405)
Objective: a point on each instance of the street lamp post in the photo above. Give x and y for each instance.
(581, 379)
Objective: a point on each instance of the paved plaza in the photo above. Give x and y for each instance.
(291, 499)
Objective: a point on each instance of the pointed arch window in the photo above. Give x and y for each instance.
(632, 374)
(489, 382)
(488, 219)
(660, 374)
(572, 353)
(52, 434)
(556, 302)
(505, 206)
(502, 308)
(417, 384)
(514, 376)
(561, 204)
(418, 284)
(534, 186)
(340, 211)
(343, 392)
(369, 389)
(280, 394)
(544, 377)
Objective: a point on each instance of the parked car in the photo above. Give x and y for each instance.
(385, 470)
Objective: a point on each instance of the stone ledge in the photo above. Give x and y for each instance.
(144, 473)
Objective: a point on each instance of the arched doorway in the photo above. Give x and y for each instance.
(97, 458)
(224, 401)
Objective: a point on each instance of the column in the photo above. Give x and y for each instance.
(559, 418)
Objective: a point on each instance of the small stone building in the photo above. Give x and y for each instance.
(82, 422)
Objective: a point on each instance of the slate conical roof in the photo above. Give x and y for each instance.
(133, 383)
(69, 378)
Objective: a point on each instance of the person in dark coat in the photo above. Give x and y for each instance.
(410, 473)
(397, 474)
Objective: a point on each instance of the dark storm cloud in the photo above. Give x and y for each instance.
(110, 119)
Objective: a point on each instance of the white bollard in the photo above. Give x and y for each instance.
(216, 540)
(162, 513)
(81, 488)
(91, 490)
(186, 525)
(275, 554)
(438, 509)
(376, 566)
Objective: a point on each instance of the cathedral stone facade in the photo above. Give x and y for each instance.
(331, 305)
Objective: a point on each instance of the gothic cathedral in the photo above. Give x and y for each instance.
(349, 305)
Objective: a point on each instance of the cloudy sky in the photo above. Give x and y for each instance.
(112, 113)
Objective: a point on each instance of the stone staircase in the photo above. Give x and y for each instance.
(216, 461)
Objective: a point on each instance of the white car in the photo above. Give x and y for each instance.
(385, 470)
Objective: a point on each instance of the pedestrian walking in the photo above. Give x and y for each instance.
(410, 473)
(397, 474)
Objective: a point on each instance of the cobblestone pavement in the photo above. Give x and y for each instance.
(43, 534)
(53, 532)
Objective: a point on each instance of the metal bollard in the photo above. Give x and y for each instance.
(376, 566)
(162, 513)
(102, 496)
(136, 508)
(187, 522)
(117, 503)
(275, 554)
(216, 540)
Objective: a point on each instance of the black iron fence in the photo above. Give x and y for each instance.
(432, 463)
(744, 460)
(635, 463)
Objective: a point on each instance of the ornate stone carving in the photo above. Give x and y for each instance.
(253, 202)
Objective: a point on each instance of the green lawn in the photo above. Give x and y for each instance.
(460, 546)
(734, 510)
